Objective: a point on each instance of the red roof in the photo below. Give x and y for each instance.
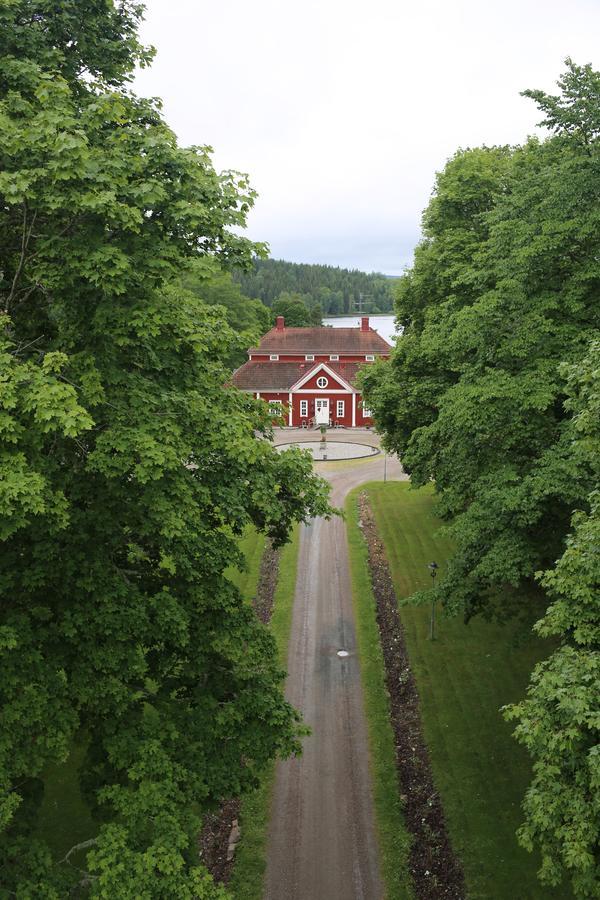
(322, 340)
(282, 376)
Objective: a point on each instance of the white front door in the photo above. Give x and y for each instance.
(322, 412)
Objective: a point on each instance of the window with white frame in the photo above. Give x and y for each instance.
(334, 356)
(303, 409)
(366, 412)
(340, 409)
(276, 407)
(274, 356)
(369, 357)
(309, 357)
(322, 382)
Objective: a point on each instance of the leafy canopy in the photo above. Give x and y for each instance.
(127, 471)
(492, 393)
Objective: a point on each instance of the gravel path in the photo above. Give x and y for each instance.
(322, 843)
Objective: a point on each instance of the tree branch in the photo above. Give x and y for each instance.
(25, 238)
(82, 846)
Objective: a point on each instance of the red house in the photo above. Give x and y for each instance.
(310, 373)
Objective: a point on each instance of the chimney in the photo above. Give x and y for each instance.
(281, 323)
(364, 323)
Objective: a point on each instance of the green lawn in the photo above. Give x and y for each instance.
(64, 818)
(247, 882)
(463, 678)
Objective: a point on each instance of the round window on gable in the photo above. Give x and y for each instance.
(322, 382)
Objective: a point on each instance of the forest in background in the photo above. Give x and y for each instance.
(335, 291)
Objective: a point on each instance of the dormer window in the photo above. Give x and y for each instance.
(334, 357)
(310, 357)
(369, 357)
(274, 357)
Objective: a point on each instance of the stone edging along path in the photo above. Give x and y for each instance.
(220, 831)
(436, 872)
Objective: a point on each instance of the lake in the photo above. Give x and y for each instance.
(383, 325)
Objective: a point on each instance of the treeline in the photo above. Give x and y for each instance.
(493, 395)
(333, 290)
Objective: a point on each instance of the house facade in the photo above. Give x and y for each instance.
(309, 374)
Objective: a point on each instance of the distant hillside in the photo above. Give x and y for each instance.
(334, 290)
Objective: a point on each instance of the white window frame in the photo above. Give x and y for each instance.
(334, 357)
(310, 357)
(275, 407)
(341, 409)
(322, 382)
(367, 412)
(273, 357)
(304, 409)
(369, 357)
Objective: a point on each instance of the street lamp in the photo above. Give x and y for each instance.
(433, 567)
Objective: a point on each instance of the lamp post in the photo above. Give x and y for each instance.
(433, 567)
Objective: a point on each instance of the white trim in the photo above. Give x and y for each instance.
(318, 368)
(258, 395)
(304, 409)
(287, 352)
(354, 410)
(290, 409)
(326, 390)
(340, 407)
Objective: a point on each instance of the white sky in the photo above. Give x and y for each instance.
(342, 111)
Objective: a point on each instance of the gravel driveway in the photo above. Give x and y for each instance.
(322, 839)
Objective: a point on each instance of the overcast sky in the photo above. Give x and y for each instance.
(342, 111)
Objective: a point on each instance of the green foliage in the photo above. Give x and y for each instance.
(128, 470)
(504, 289)
(293, 308)
(559, 721)
(499, 313)
(333, 290)
(576, 110)
(250, 319)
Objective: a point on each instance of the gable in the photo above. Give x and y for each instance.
(335, 382)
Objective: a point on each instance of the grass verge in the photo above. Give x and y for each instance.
(247, 881)
(394, 840)
(252, 545)
(463, 678)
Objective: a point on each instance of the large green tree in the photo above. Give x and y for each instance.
(559, 721)
(500, 306)
(293, 308)
(127, 470)
(504, 289)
